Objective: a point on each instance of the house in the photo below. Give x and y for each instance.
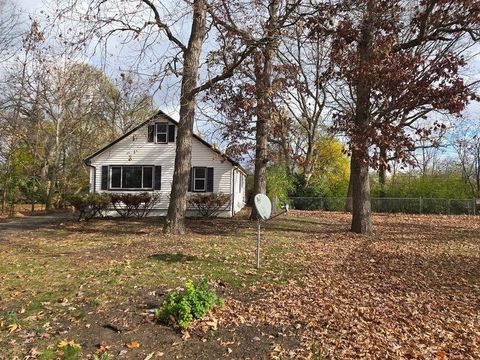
(142, 160)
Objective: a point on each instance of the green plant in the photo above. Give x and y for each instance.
(279, 184)
(69, 350)
(47, 354)
(182, 307)
(208, 205)
(89, 205)
(103, 356)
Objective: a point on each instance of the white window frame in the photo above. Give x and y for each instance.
(121, 177)
(161, 132)
(240, 183)
(194, 187)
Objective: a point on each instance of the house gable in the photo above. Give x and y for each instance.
(143, 132)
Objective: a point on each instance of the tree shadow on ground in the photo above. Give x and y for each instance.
(217, 226)
(171, 258)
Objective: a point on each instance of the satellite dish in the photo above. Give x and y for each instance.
(263, 206)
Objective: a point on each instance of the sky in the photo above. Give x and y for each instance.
(167, 97)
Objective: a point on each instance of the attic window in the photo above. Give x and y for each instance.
(199, 179)
(161, 133)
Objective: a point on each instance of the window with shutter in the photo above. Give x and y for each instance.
(131, 177)
(162, 133)
(199, 179)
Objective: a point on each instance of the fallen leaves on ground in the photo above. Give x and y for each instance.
(133, 345)
(409, 291)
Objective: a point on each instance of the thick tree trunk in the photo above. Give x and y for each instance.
(361, 211)
(263, 78)
(260, 175)
(175, 221)
(263, 73)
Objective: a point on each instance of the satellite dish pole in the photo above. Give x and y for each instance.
(258, 245)
(264, 212)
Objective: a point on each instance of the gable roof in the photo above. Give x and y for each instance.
(160, 113)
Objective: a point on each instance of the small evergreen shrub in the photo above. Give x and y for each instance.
(208, 205)
(183, 307)
(134, 205)
(89, 205)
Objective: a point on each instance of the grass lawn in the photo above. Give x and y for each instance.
(410, 291)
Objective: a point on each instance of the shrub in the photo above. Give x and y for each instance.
(89, 205)
(182, 307)
(279, 185)
(136, 205)
(208, 205)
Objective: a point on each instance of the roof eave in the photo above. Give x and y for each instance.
(87, 161)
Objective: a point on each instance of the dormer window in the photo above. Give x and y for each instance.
(161, 133)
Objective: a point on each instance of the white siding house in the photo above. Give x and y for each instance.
(143, 160)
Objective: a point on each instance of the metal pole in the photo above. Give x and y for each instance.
(258, 245)
(421, 205)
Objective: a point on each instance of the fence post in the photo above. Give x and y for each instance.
(321, 203)
(474, 206)
(449, 206)
(421, 205)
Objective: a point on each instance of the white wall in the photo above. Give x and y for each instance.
(239, 186)
(136, 150)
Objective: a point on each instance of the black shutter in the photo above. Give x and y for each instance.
(171, 133)
(158, 178)
(104, 178)
(209, 179)
(190, 175)
(151, 132)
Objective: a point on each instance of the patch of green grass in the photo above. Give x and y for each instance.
(47, 354)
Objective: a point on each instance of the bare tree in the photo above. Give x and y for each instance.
(466, 142)
(147, 21)
(306, 59)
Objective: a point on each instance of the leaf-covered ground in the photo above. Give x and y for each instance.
(410, 291)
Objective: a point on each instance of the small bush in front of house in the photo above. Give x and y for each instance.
(134, 205)
(183, 307)
(208, 205)
(89, 205)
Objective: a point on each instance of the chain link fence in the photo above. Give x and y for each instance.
(392, 205)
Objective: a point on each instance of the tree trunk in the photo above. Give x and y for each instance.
(54, 169)
(4, 198)
(175, 221)
(309, 161)
(260, 175)
(382, 179)
(361, 212)
(263, 81)
(349, 202)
